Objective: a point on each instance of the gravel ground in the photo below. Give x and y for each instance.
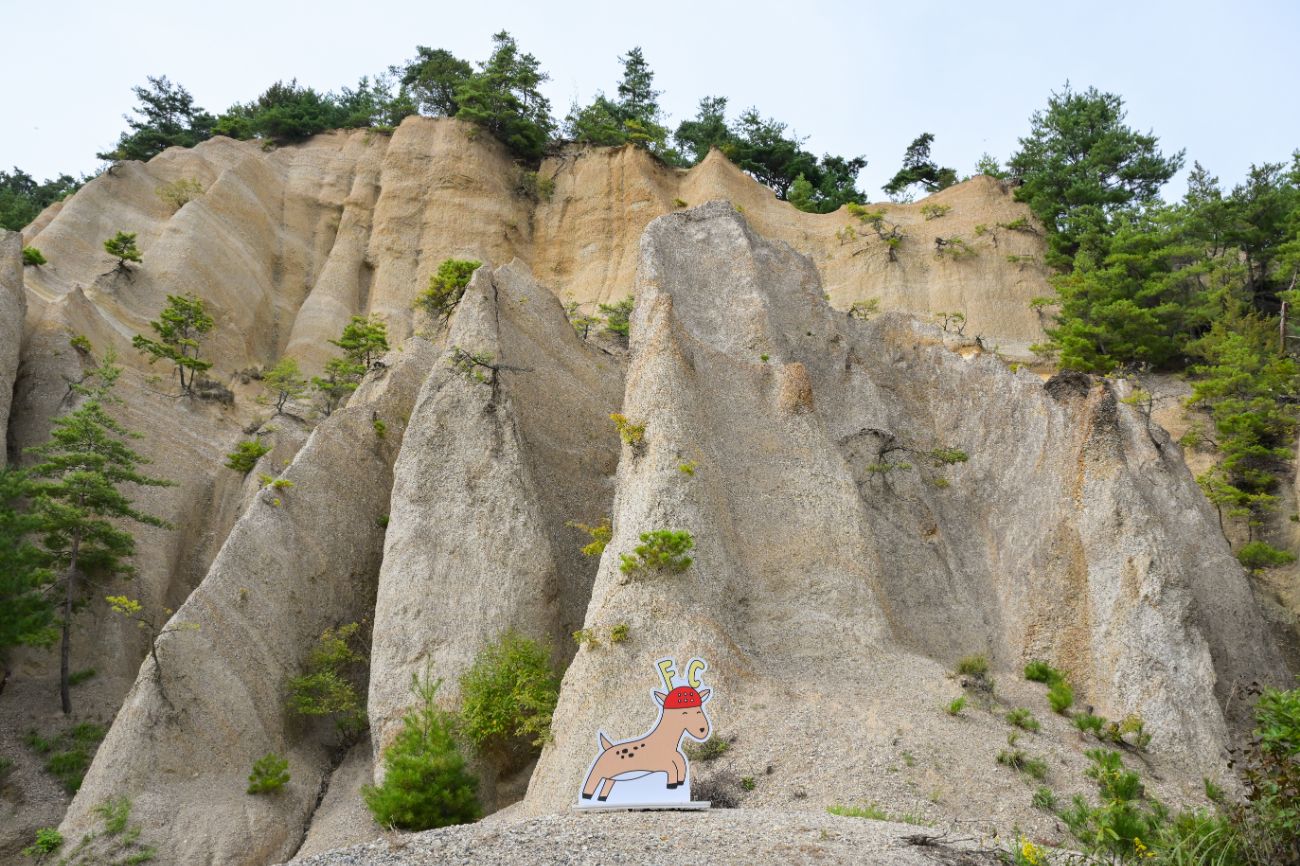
(732, 836)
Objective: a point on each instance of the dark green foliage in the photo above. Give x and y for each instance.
(1022, 718)
(27, 616)
(618, 316)
(81, 676)
(1125, 823)
(1270, 818)
(659, 550)
(706, 131)
(1081, 166)
(270, 773)
(48, 840)
(446, 287)
(508, 697)
(973, 666)
(920, 170)
(709, 750)
(122, 247)
(1060, 697)
(432, 78)
(341, 378)
(77, 502)
(246, 455)
(284, 382)
(283, 113)
(425, 781)
(1260, 554)
(761, 147)
(503, 98)
(33, 258)
(1016, 759)
(69, 753)
(1038, 671)
(180, 329)
(166, 117)
(634, 116)
(332, 682)
(1044, 799)
(363, 340)
(1088, 723)
(22, 198)
(988, 164)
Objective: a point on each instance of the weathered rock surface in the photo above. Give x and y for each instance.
(495, 463)
(301, 559)
(13, 309)
(831, 591)
(734, 838)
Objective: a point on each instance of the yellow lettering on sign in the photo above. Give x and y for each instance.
(666, 671)
(692, 672)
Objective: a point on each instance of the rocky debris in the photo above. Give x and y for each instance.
(732, 837)
(509, 439)
(301, 559)
(13, 312)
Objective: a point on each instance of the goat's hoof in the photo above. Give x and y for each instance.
(602, 799)
(672, 785)
(586, 796)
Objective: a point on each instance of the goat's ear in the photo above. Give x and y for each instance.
(660, 697)
(705, 694)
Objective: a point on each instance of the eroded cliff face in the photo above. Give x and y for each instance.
(13, 309)
(841, 563)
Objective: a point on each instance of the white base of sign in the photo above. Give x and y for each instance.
(644, 807)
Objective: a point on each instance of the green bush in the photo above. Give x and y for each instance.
(1016, 759)
(270, 773)
(1271, 817)
(1044, 799)
(955, 707)
(974, 665)
(33, 257)
(122, 247)
(631, 434)
(1023, 719)
(48, 840)
(446, 287)
(659, 550)
(618, 316)
(1088, 723)
(1060, 696)
(330, 683)
(1260, 554)
(618, 633)
(508, 697)
(179, 193)
(1039, 671)
(425, 782)
(709, 750)
(246, 455)
(69, 753)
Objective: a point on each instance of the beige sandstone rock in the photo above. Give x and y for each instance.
(494, 465)
(184, 741)
(830, 596)
(13, 309)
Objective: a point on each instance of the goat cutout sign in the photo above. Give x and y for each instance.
(651, 771)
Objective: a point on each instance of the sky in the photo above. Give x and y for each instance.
(864, 78)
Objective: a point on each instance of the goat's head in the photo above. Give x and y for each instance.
(684, 711)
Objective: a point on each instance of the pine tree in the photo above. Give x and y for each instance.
(503, 98)
(183, 322)
(78, 506)
(363, 340)
(121, 246)
(26, 611)
(284, 382)
(425, 782)
(919, 169)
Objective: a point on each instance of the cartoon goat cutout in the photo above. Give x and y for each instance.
(681, 714)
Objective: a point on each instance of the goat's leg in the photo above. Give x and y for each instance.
(605, 789)
(589, 787)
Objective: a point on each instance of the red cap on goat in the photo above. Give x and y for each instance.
(682, 698)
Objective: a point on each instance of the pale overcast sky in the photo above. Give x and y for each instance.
(1218, 79)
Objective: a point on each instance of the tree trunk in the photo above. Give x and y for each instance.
(65, 651)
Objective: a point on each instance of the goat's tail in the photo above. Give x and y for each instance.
(605, 744)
